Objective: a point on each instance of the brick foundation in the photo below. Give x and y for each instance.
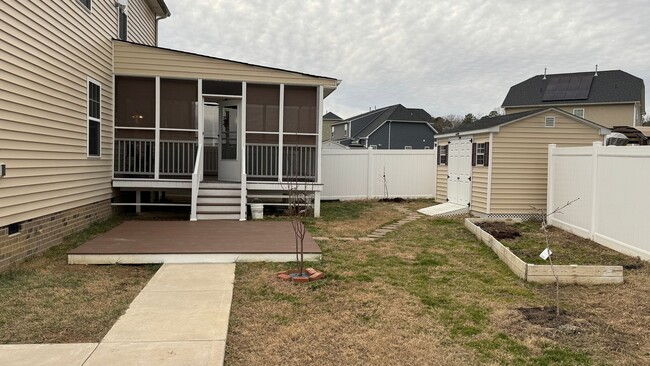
(39, 234)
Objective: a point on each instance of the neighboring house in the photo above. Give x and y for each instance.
(328, 120)
(393, 127)
(497, 166)
(90, 109)
(609, 98)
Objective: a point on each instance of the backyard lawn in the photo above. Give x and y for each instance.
(427, 294)
(45, 300)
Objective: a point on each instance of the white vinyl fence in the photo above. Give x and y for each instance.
(612, 185)
(356, 174)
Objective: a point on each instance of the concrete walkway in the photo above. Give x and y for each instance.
(179, 318)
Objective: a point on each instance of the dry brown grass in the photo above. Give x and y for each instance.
(45, 300)
(427, 294)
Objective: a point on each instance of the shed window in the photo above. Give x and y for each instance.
(442, 154)
(549, 122)
(94, 121)
(480, 154)
(580, 112)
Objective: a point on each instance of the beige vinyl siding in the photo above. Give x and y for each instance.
(441, 181)
(519, 159)
(480, 180)
(137, 60)
(608, 115)
(49, 50)
(141, 23)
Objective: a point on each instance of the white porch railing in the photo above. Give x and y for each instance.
(136, 157)
(298, 161)
(197, 177)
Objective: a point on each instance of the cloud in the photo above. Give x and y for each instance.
(448, 57)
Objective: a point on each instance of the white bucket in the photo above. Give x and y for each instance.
(257, 211)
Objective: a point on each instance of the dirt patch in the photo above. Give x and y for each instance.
(396, 200)
(500, 230)
(546, 317)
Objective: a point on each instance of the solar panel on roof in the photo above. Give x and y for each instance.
(574, 87)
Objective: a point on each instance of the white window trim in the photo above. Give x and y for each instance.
(89, 118)
(579, 109)
(482, 154)
(547, 119)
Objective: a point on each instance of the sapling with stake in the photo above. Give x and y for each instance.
(549, 252)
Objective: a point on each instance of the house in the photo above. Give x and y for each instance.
(393, 127)
(328, 120)
(93, 114)
(609, 98)
(497, 166)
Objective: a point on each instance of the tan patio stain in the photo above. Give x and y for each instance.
(427, 293)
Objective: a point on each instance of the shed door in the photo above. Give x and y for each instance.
(460, 171)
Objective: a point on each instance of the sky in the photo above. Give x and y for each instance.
(448, 57)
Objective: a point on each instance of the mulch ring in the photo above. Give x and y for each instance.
(499, 230)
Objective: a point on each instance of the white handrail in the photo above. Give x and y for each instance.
(196, 179)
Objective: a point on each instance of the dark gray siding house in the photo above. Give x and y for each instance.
(393, 127)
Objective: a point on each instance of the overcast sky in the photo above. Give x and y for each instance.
(448, 57)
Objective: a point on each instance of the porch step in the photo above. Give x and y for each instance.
(218, 201)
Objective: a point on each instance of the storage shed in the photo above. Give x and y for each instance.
(497, 166)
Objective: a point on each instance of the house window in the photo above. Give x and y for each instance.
(122, 21)
(580, 112)
(442, 154)
(94, 118)
(86, 3)
(549, 122)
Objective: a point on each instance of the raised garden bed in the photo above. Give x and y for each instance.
(585, 266)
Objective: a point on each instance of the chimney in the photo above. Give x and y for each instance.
(596, 74)
(544, 78)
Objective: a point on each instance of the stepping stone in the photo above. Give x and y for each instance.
(385, 231)
(367, 239)
(375, 236)
(320, 238)
(345, 239)
(393, 227)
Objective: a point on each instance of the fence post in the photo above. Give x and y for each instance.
(594, 188)
(371, 173)
(550, 182)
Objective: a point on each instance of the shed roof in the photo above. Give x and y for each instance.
(612, 86)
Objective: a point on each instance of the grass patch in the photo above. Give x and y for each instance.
(429, 293)
(45, 300)
(567, 248)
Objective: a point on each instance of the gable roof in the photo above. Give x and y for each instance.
(488, 124)
(364, 124)
(332, 116)
(613, 86)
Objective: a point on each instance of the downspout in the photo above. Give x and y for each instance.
(389, 125)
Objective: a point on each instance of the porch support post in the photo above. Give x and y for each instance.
(243, 196)
(281, 135)
(138, 201)
(200, 124)
(157, 142)
(319, 148)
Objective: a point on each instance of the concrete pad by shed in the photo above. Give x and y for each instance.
(72, 354)
(444, 209)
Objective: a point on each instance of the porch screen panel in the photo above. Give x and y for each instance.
(178, 104)
(300, 132)
(135, 102)
(262, 108)
(300, 109)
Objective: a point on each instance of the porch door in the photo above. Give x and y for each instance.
(460, 171)
(229, 140)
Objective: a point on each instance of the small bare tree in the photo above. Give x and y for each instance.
(548, 250)
(385, 181)
(299, 191)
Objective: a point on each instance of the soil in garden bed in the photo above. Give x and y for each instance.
(500, 230)
(567, 248)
